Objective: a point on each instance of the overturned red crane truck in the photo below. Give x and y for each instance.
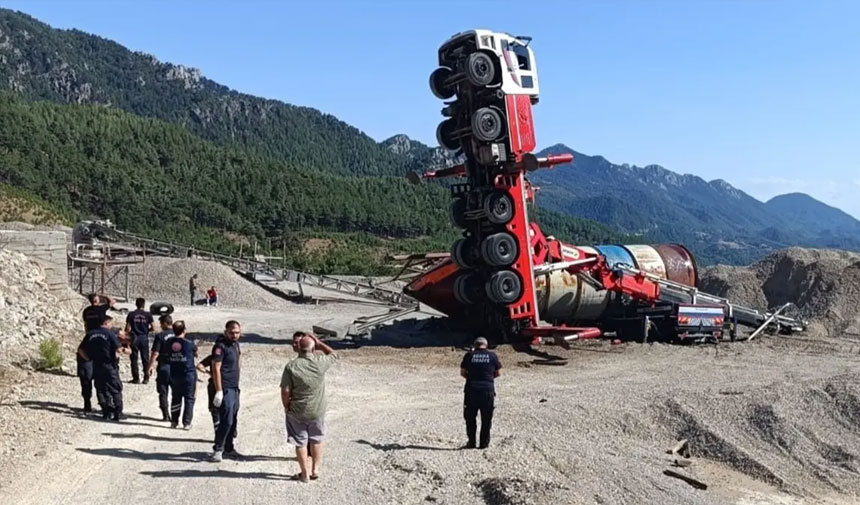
(505, 278)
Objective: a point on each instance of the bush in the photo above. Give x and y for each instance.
(50, 354)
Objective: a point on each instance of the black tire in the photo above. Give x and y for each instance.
(458, 212)
(445, 135)
(462, 289)
(480, 69)
(500, 249)
(504, 287)
(499, 207)
(437, 83)
(462, 255)
(488, 124)
(160, 309)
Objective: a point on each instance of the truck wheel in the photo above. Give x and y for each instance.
(160, 309)
(504, 287)
(437, 83)
(462, 289)
(499, 249)
(488, 124)
(499, 207)
(458, 212)
(480, 69)
(445, 135)
(462, 254)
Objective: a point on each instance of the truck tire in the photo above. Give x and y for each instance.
(499, 207)
(499, 249)
(463, 289)
(504, 287)
(480, 69)
(488, 124)
(160, 309)
(445, 135)
(458, 212)
(437, 83)
(462, 254)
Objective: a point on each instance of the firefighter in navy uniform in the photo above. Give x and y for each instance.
(162, 369)
(225, 377)
(101, 346)
(181, 355)
(92, 316)
(138, 324)
(480, 368)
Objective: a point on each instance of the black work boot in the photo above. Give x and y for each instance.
(88, 406)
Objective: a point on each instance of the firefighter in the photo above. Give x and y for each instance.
(181, 354)
(479, 367)
(92, 316)
(102, 346)
(138, 324)
(158, 357)
(225, 376)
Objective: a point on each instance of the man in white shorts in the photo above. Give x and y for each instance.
(303, 396)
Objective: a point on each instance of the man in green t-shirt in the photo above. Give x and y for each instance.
(303, 396)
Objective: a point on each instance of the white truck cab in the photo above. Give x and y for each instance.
(488, 59)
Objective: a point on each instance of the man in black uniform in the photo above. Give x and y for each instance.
(225, 376)
(138, 324)
(157, 358)
(101, 346)
(181, 354)
(92, 316)
(480, 368)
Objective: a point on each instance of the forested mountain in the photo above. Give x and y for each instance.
(70, 66)
(160, 179)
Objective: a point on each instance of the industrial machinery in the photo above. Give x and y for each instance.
(504, 276)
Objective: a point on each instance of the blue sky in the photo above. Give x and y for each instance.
(762, 93)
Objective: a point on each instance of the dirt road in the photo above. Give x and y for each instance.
(768, 422)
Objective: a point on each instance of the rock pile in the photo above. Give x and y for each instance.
(29, 313)
(166, 280)
(823, 283)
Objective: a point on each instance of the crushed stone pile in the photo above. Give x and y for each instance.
(29, 312)
(166, 280)
(823, 283)
(741, 285)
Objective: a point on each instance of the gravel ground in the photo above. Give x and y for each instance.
(770, 421)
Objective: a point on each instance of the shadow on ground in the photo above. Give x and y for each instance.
(250, 338)
(400, 447)
(194, 456)
(216, 473)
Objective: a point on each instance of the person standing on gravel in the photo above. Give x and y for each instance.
(225, 376)
(157, 357)
(181, 356)
(92, 316)
(101, 346)
(138, 324)
(192, 287)
(303, 397)
(480, 368)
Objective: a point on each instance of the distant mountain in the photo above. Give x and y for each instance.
(808, 212)
(718, 221)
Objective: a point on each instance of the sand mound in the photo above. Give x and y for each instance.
(29, 312)
(760, 434)
(823, 283)
(166, 280)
